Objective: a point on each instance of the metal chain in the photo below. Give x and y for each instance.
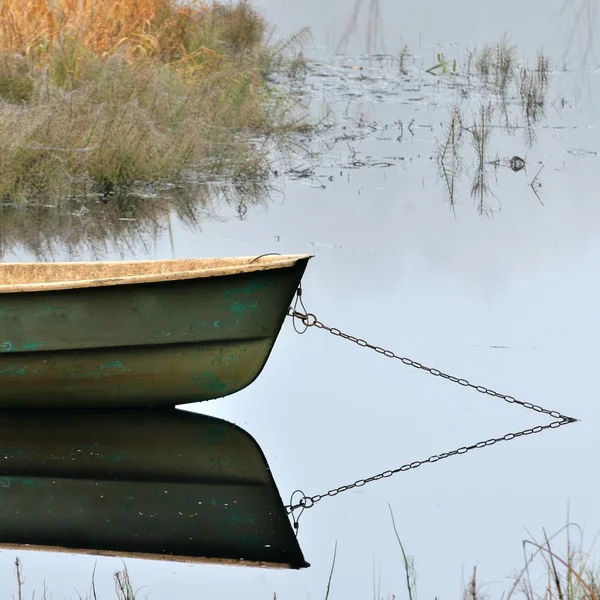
(309, 320)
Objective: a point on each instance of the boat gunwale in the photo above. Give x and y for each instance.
(181, 558)
(243, 265)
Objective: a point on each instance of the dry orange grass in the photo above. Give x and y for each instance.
(148, 28)
(101, 94)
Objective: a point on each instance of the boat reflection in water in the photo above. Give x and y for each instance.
(160, 484)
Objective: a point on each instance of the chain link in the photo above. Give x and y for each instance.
(309, 320)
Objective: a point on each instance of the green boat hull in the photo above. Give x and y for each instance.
(159, 484)
(148, 344)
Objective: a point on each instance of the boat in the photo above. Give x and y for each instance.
(133, 334)
(157, 484)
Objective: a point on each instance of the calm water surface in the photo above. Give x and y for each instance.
(507, 299)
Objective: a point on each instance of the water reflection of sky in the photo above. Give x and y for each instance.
(393, 264)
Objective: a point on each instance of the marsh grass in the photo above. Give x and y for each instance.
(103, 94)
(572, 575)
(484, 62)
(497, 67)
(514, 98)
(123, 586)
(449, 154)
(124, 589)
(408, 562)
(403, 58)
(533, 88)
(480, 136)
(472, 590)
(505, 64)
(450, 160)
(443, 66)
(495, 64)
(504, 73)
(547, 574)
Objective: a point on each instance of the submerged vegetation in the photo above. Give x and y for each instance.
(496, 75)
(97, 96)
(490, 93)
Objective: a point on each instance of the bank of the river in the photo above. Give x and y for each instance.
(98, 95)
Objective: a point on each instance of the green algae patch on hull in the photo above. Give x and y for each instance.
(163, 375)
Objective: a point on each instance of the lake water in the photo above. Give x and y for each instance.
(507, 299)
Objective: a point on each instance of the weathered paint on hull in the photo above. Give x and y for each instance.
(133, 377)
(160, 484)
(152, 344)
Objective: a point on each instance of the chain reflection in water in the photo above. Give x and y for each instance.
(309, 320)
